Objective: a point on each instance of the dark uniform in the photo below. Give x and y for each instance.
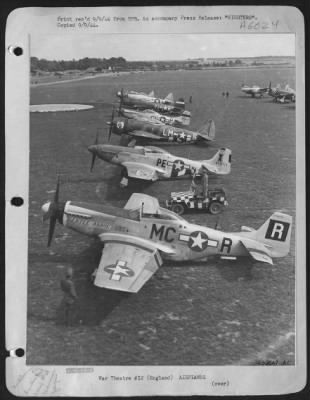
(70, 296)
(205, 184)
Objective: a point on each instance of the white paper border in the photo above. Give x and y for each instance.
(21, 24)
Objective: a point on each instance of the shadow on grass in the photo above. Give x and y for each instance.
(93, 304)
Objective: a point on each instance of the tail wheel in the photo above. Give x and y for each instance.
(215, 207)
(178, 208)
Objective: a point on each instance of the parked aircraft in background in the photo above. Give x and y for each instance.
(254, 91)
(138, 238)
(282, 95)
(152, 163)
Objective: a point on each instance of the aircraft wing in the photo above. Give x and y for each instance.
(127, 262)
(142, 171)
(144, 134)
(257, 251)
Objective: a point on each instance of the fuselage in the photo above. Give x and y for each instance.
(254, 90)
(173, 166)
(141, 100)
(188, 241)
(155, 117)
(163, 132)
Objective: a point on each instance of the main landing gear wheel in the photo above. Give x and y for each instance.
(178, 208)
(215, 207)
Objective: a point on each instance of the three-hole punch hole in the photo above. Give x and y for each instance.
(16, 50)
(19, 352)
(17, 201)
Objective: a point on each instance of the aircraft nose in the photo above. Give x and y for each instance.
(92, 149)
(46, 207)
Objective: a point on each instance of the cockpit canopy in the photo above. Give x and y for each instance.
(149, 207)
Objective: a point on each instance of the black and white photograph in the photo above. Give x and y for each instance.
(163, 205)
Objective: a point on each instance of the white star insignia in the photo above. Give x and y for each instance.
(178, 165)
(198, 241)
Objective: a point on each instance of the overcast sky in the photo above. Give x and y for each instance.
(162, 47)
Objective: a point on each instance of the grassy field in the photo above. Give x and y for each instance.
(214, 313)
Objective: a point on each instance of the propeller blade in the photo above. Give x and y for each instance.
(94, 152)
(56, 196)
(121, 102)
(111, 125)
(97, 137)
(51, 230)
(92, 162)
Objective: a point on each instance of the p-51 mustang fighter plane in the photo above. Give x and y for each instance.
(282, 95)
(142, 101)
(139, 237)
(143, 131)
(254, 90)
(153, 116)
(152, 163)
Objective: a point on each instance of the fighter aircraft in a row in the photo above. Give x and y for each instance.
(153, 116)
(152, 163)
(145, 131)
(254, 90)
(282, 95)
(142, 101)
(138, 238)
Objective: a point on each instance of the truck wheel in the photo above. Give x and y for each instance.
(215, 207)
(178, 208)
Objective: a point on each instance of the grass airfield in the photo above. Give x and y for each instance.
(198, 313)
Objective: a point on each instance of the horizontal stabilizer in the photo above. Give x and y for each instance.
(257, 251)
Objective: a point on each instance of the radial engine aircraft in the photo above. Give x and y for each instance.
(138, 238)
(152, 163)
(154, 116)
(254, 90)
(143, 130)
(141, 101)
(282, 95)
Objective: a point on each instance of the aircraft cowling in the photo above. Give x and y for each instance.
(120, 125)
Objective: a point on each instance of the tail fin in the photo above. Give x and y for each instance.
(287, 88)
(275, 233)
(151, 94)
(220, 163)
(207, 131)
(170, 97)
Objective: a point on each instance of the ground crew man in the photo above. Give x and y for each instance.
(194, 187)
(70, 296)
(204, 181)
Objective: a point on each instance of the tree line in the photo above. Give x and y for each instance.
(81, 64)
